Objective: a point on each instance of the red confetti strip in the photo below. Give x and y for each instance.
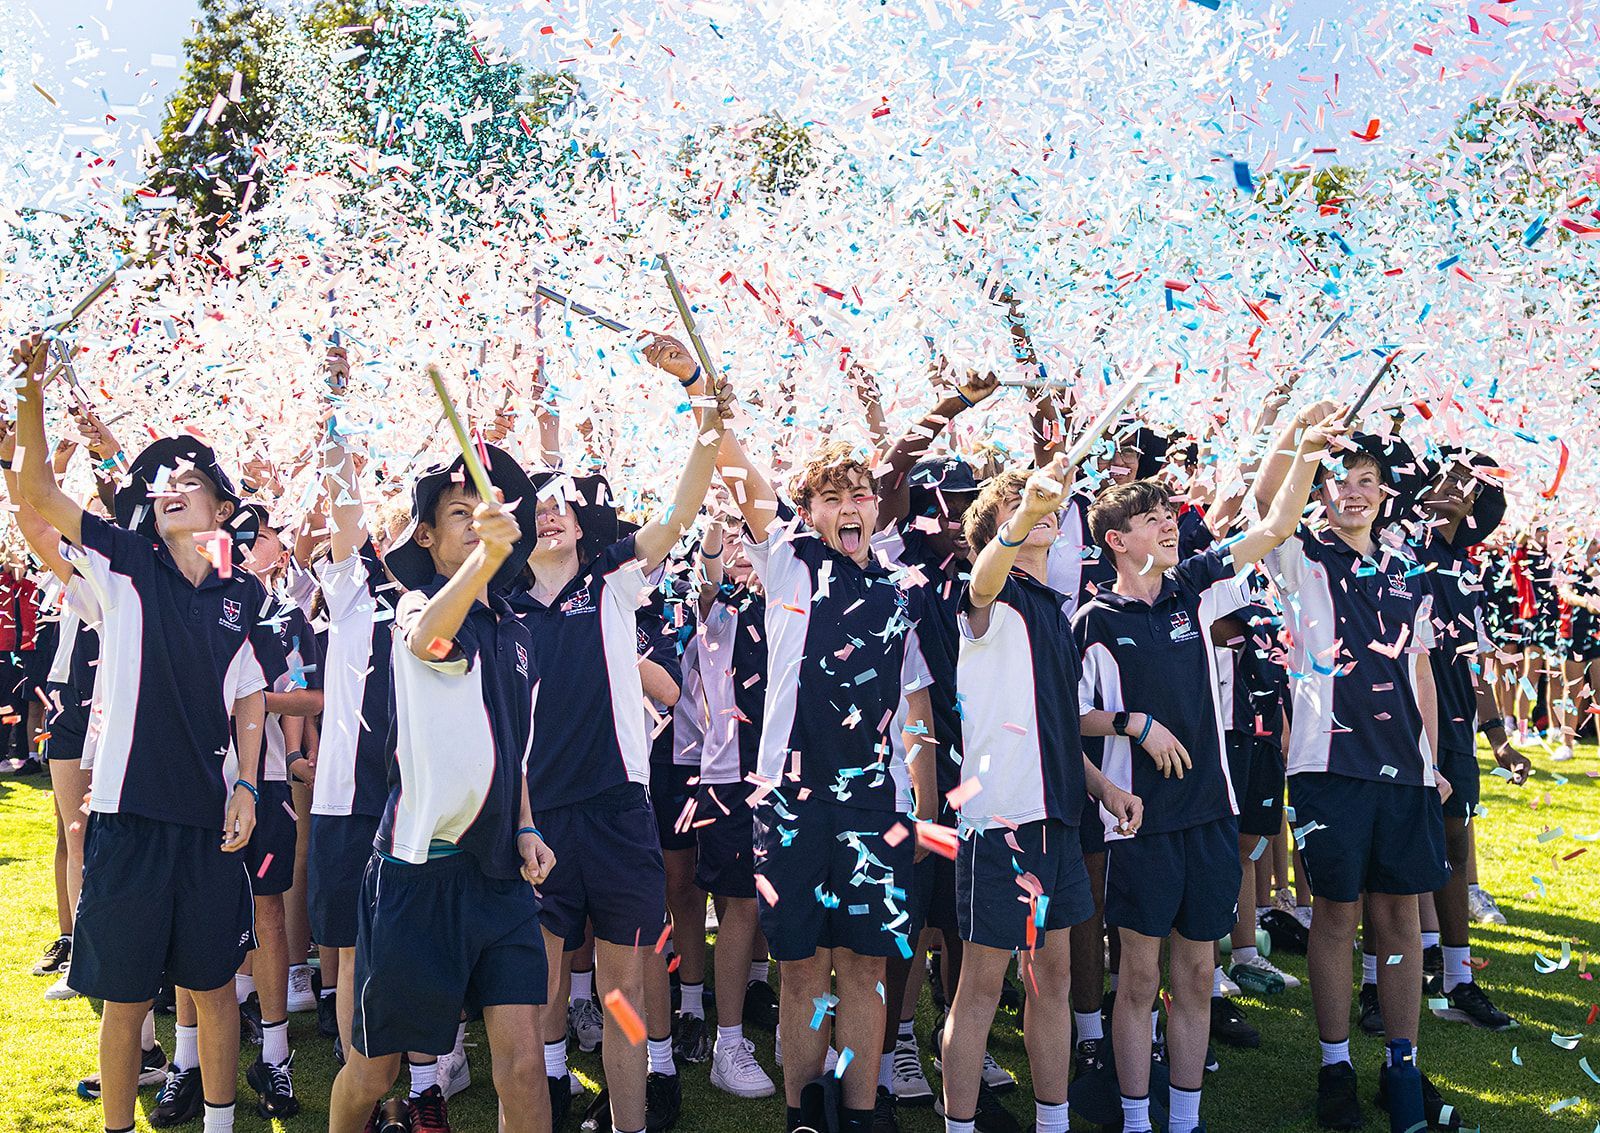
(1561, 470)
(627, 1018)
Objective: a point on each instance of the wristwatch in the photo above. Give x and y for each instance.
(1119, 723)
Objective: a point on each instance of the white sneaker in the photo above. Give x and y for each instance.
(1483, 908)
(60, 990)
(1227, 986)
(1302, 913)
(454, 1073)
(302, 996)
(734, 1070)
(996, 1077)
(908, 1083)
(1562, 754)
(586, 1023)
(1265, 976)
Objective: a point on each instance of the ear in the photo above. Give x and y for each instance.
(1117, 541)
(225, 510)
(423, 536)
(804, 513)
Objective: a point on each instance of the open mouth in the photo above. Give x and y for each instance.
(173, 506)
(850, 537)
(1169, 544)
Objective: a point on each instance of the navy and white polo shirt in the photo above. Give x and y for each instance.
(357, 687)
(732, 649)
(302, 668)
(463, 727)
(1157, 658)
(174, 657)
(1457, 594)
(836, 647)
(656, 632)
(1260, 682)
(1359, 628)
(77, 656)
(590, 733)
(1019, 710)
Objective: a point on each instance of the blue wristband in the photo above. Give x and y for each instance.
(1148, 720)
(534, 830)
(694, 377)
(965, 400)
(1005, 543)
(251, 787)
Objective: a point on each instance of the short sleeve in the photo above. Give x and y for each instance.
(344, 585)
(107, 550)
(620, 571)
(266, 642)
(999, 610)
(777, 562)
(310, 672)
(914, 671)
(457, 662)
(1212, 577)
(1422, 629)
(1287, 561)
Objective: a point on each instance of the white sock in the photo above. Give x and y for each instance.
(555, 1059)
(1090, 1025)
(243, 985)
(692, 1000)
(1369, 968)
(423, 1076)
(1457, 969)
(1155, 1022)
(1184, 1110)
(582, 986)
(219, 1118)
(759, 970)
(951, 1125)
(1135, 1114)
(147, 1031)
(274, 1042)
(1335, 1053)
(1049, 1118)
(661, 1056)
(1245, 955)
(886, 1070)
(908, 1029)
(1430, 940)
(1216, 982)
(730, 1037)
(187, 1054)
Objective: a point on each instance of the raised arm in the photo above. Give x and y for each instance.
(894, 486)
(1288, 503)
(865, 385)
(347, 529)
(1280, 456)
(1042, 495)
(445, 613)
(42, 539)
(34, 476)
(713, 546)
(713, 402)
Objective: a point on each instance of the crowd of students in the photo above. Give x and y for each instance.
(491, 752)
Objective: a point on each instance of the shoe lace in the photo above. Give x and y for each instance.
(427, 1110)
(175, 1082)
(280, 1078)
(906, 1060)
(587, 1012)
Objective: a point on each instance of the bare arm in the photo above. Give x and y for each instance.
(1280, 456)
(1428, 706)
(894, 487)
(445, 613)
(346, 518)
(713, 401)
(239, 821)
(712, 564)
(865, 385)
(297, 702)
(1289, 501)
(1042, 494)
(658, 683)
(34, 476)
(921, 751)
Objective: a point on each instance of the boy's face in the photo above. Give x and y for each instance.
(557, 526)
(845, 517)
(1150, 543)
(735, 563)
(1355, 501)
(1451, 497)
(189, 507)
(949, 541)
(450, 537)
(1041, 535)
(265, 553)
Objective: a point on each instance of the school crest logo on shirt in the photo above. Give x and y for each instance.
(1397, 585)
(579, 603)
(231, 609)
(522, 659)
(1183, 627)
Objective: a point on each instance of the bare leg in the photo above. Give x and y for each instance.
(1089, 943)
(735, 941)
(270, 960)
(345, 1003)
(1189, 1013)
(966, 1027)
(360, 1083)
(620, 967)
(120, 1024)
(800, 983)
(68, 782)
(686, 904)
(1399, 984)
(518, 1067)
(217, 1013)
(1047, 1016)
(1137, 984)
(1244, 924)
(1333, 934)
(859, 1022)
(1451, 901)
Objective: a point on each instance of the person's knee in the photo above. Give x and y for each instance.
(370, 1077)
(1457, 842)
(516, 1067)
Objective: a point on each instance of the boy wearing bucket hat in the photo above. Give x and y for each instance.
(448, 916)
(1363, 780)
(588, 769)
(166, 892)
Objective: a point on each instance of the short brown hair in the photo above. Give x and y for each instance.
(834, 465)
(982, 522)
(1114, 508)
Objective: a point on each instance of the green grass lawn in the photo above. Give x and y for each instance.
(48, 1046)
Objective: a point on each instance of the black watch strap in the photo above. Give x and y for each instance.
(1119, 723)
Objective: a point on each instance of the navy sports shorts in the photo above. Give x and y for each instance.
(161, 902)
(341, 846)
(69, 727)
(1365, 836)
(725, 831)
(270, 854)
(838, 882)
(1186, 881)
(434, 939)
(1091, 828)
(1461, 768)
(1255, 764)
(608, 869)
(993, 902)
(670, 792)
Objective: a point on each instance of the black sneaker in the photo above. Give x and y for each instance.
(153, 1067)
(936, 981)
(250, 1020)
(1338, 1107)
(560, 1099)
(1371, 1012)
(55, 958)
(1433, 970)
(429, 1113)
(1212, 1063)
(1011, 997)
(1086, 1057)
(1285, 931)
(663, 1101)
(597, 1118)
(1470, 1004)
(1229, 1026)
(180, 1100)
(885, 1116)
(328, 1016)
(1433, 1104)
(992, 1115)
(275, 1084)
(760, 1006)
(691, 1039)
